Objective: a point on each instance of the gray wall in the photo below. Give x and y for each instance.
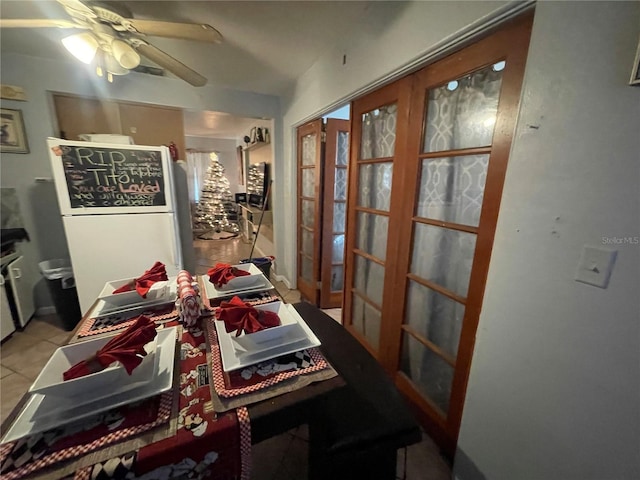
(39, 76)
(554, 391)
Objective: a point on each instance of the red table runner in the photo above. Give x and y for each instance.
(206, 444)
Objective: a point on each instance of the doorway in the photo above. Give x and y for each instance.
(323, 153)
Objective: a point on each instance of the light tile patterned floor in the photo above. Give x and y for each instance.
(284, 457)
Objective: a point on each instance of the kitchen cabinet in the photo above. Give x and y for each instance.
(17, 283)
(6, 319)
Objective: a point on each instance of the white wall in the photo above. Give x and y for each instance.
(554, 391)
(39, 76)
(226, 149)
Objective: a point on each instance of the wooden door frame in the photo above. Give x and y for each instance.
(328, 297)
(510, 43)
(309, 291)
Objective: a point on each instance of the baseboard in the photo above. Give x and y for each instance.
(283, 279)
(42, 311)
(464, 468)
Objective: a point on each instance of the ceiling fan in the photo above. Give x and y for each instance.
(113, 41)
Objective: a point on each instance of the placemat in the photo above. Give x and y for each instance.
(263, 380)
(95, 326)
(252, 298)
(33, 453)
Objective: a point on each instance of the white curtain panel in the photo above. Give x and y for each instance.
(374, 185)
(461, 114)
(197, 164)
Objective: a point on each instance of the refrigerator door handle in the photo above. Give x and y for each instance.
(17, 272)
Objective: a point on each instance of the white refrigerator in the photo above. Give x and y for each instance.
(118, 208)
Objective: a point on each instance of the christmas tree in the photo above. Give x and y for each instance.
(212, 212)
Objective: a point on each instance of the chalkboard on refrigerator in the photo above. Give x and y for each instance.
(112, 177)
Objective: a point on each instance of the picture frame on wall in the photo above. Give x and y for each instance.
(13, 138)
(635, 73)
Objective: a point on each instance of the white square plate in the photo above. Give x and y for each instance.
(110, 305)
(245, 281)
(157, 291)
(260, 284)
(269, 337)
(50, 380)
(298, 337)
(43, 412)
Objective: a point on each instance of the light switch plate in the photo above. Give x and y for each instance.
(595, 266)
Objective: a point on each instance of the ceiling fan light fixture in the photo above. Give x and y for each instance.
(112, 66)
(126, 56)
(83, 46)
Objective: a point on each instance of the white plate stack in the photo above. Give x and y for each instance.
(292, 335)
(54, 402)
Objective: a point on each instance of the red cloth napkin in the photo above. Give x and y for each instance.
(223, 272)
(142, 284)
(126, 348)
(241, 316)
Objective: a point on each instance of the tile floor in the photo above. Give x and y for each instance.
(284, 457)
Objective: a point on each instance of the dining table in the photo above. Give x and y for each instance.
(205, 420)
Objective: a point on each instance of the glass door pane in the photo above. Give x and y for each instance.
(379, 132)
(462, 112)
(373, 184)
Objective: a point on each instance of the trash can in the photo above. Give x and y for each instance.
(263, 263)
(62, 287)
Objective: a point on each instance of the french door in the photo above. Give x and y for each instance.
(323, 154)
(428, 163)
(310, 154)
(334, 212)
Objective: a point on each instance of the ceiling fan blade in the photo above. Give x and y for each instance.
(187, 31)
(38, 23)
(77, 6)
(165, 60)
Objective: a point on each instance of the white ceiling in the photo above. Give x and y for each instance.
(220, 125)
(267, 44)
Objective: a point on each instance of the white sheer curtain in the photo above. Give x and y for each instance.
(460, 115)
(374, 185)
(197, 164)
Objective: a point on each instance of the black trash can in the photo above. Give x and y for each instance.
(263, 263)
(62, 287)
